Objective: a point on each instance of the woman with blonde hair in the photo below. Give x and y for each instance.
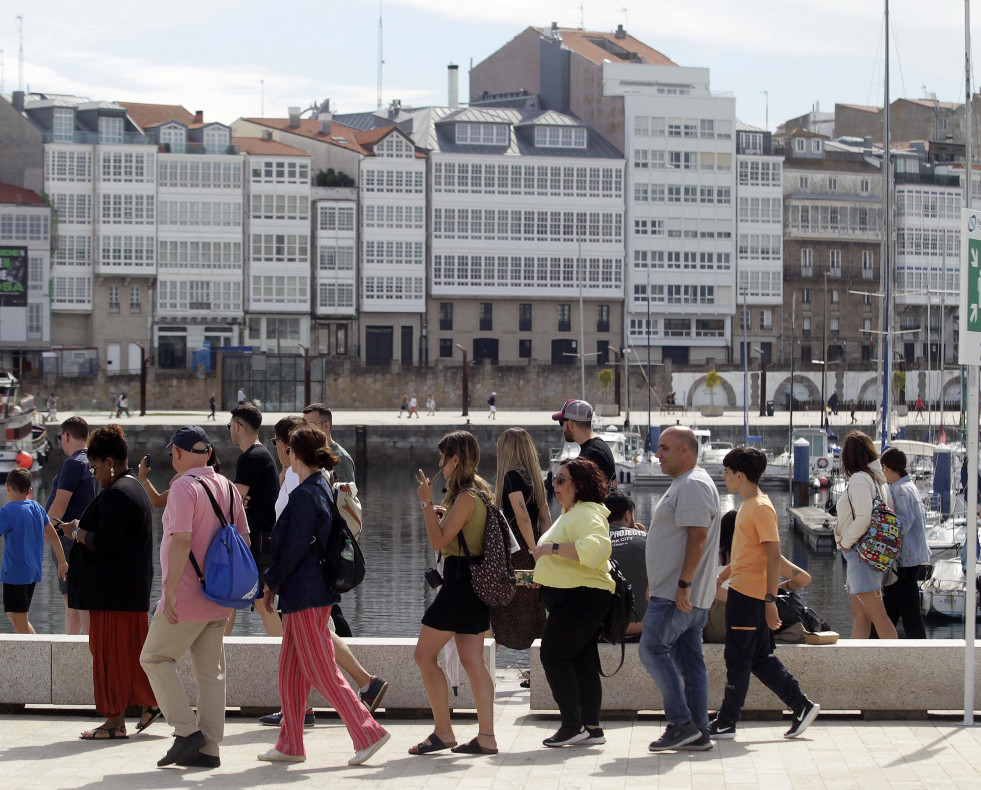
(520, 493)
(866, 483)
(456, 611)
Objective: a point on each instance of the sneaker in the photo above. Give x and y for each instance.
(721, 730)
(184, 747)
(373, 696)
(676, 736)
(276, 719)
(594, 737)
(362, 755)
(703, 744)
(802, 718)
(566, 737)
(274, 755)
(200, 760)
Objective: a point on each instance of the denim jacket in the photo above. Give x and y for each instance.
(296, 571)
(906, 502)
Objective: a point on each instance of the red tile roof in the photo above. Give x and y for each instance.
(340, 135)
(146, 115)
(577, 40)
(18, 195)
(258, 146)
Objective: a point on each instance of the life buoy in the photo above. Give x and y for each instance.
(822, 463)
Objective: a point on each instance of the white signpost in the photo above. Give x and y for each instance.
(969, 354)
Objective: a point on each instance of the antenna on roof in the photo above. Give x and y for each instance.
(1, 71)
(381, 60)
(582, 24)
(262, 98)
(20, 62)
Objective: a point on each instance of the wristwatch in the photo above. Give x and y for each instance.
(683, 584)
(769, 598)
(424, 505)
(555, 548)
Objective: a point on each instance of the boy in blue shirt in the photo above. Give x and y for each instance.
(24, 527)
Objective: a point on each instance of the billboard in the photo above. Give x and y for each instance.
(13, 276)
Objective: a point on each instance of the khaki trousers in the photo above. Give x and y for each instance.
(164, 646)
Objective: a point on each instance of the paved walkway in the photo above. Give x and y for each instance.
(40, 749)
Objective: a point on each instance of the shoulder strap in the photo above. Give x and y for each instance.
(214, 504)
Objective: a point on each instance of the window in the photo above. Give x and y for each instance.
(802, 182)
(805, 296)
(446, 317)
(815, 146)
(174, 138)
(707, 128)
(483, 134)
(800, 145)
(135, 305)
(766, 319)
(524, 349)
(113, 298)
(602, 318)
(524, 317)
(832, 184)
(834, 263)
(835, 296)
(833, 325)
(557, 137)
(806, 329)
(864, 186)
(807, 263)
(110, 130)
(868, 265)
(565, 318)
(445, 347)
(486, 316)
(63, 130)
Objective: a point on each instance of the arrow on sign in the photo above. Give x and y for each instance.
(974, 312)
(974, 258)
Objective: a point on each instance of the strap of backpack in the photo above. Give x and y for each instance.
(221, 521)
(459, 535)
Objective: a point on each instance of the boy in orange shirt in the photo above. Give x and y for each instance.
(751, 609)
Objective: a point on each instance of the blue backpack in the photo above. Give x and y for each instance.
(230, 576)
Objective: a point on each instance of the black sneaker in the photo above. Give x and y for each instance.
(276, 719)
(594, 737)
(721, 730)
(676, 736)
(373, 696)
(185, 747)
(802, 718)
(703, 744)
(200, 760)
(565, 737)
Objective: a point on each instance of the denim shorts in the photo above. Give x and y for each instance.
(860, 577)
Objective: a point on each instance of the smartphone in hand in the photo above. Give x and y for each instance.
(146, 462)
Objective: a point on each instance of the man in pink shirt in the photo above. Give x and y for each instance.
(184, 619)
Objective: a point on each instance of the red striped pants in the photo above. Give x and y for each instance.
(307, 659)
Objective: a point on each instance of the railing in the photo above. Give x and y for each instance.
(93, 138)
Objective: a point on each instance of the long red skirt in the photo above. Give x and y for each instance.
(116, 640)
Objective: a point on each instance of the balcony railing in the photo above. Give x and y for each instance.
(94, 138)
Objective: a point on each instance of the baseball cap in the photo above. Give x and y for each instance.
(574, 409)
(188, 436)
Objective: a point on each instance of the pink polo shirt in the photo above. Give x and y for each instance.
(189, 510)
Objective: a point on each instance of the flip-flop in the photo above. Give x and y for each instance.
(432, 744)
(111, 734)
(153, 712)
(472, 747)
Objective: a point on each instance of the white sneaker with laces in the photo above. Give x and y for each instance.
(362, 755)
(276, 756)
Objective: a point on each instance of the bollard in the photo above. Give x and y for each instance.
(361, 455)
(802, 473)
(942, 473)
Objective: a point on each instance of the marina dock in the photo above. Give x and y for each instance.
(815, 524)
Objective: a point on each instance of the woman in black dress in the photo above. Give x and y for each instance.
(520, 493)
(457, 611)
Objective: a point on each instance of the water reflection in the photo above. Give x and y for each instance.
(392, 600)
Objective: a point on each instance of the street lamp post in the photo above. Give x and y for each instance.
(143, 365)
(306, 374)
(466, 382)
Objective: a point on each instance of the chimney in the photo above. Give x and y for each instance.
(294, 117)
(325, 118)
(17, 99)
(199, 116)
(394, 108)
(555, 31)
(267, 134)
(453, 86)
(620, 33)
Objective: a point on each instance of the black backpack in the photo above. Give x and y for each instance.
(792, 609)
(341, 558)
(613, 629)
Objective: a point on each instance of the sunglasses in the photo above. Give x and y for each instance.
(559, 480)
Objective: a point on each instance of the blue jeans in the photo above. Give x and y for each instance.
(671, 650)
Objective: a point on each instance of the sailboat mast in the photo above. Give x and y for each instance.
(885, 346)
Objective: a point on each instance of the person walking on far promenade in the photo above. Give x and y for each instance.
(212, 403)
(257, 482)
(72, 490)
(431, 405)
(682, 551)
(413, 406)
(52, 405)
(184, 620)
(492, 403)
(751, 605)
(123, 406)
(240, 397)
(404, 405)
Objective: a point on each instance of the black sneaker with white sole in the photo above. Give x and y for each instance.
(703, 744)
(594, 737)
(802, 718)
(566, 736)
(720, 730)
(676, 736)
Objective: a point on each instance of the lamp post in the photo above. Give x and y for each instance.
(143, 365)
(466, 382)
(306, 374)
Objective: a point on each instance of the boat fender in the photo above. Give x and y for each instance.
(25, 460)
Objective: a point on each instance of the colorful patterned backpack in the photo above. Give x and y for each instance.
(879, 546)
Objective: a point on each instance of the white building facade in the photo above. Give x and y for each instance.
(335, 229)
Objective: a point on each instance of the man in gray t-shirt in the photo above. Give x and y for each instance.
(682, 547)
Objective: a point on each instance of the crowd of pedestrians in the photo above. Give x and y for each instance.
(98, 521)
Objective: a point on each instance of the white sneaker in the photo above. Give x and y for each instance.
(276, 756)
(362, 755)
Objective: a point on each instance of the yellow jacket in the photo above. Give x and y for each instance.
(585, 525)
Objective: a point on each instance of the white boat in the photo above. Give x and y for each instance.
(23, 442)
(714, 453)
(647, 472)
(943, 593)
(626, 449)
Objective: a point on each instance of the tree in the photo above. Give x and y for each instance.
(899, 385)
(332, 178)
(712, 380)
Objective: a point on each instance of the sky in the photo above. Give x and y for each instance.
(232, 58)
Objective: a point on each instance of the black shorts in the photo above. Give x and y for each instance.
(17, 597)
(457, 607)
(261, 547)
(66, 544)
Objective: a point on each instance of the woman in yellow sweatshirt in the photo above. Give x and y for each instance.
(572, 566)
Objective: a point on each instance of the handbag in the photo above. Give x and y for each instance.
(879, 546)
(613, 629)
(493, 578)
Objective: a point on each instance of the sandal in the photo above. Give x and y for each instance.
(151, 711)
(473, 747)
(432, 744)
(108, 734)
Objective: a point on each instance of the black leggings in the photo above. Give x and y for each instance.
(902, 599)
(569, 654)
